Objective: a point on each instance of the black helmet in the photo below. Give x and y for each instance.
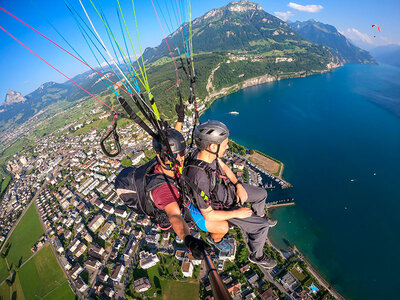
(176, 142)
(210, 132)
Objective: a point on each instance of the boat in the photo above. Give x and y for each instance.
(233, 113)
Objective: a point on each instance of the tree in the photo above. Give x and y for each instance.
(251, 151)
(126, 162)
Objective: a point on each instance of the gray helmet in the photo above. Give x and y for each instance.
(210, 132)
(176, 142)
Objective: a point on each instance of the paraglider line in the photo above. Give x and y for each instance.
(37, 55)
(165, 38)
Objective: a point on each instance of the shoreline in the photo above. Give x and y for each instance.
(252, 82)
(215, 95)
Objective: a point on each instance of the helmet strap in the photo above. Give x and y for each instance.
(216, 152)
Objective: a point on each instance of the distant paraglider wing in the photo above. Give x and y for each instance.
(374, 25)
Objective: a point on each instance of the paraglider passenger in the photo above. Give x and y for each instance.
(225, 195)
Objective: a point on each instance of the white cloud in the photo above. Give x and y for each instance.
(284, 15)
(356, 35)
(313, 8)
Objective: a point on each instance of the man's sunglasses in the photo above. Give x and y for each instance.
(181, 154)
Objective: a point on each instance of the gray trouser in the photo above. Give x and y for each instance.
(254, 226)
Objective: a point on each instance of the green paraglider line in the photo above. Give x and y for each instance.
(130, 39)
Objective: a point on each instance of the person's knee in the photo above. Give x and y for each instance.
(219, 227)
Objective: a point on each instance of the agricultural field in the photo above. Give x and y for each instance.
(4, 291)
(25, 235)
(173, 289)
(42, 276)
(3, 269)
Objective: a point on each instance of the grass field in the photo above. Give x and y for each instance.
(172, 289)
(25, 235)
(17, 292)
(42, 275)
(4, 183)
(62, 292)
(4, 291)
(3, 269)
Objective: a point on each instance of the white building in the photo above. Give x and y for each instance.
(187, 268)
(147, 259)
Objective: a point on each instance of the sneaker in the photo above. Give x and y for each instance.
(264, 261)
(271, 222)
(221, 246)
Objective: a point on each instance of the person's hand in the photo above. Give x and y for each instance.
(241, 194)
(196, 246)
(180, 111)
(243, 212)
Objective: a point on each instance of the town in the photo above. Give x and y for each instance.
(106, 250)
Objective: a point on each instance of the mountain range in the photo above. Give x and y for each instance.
(232, 45)
(328, 35)
(389, 54)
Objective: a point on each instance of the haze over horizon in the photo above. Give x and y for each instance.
(25, 72)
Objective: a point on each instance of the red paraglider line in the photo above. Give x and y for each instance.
(102, 75)
(37, 55)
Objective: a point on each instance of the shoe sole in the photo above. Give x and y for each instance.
(214, 244)
(261, 264)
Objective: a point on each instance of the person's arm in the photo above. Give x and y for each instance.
(241, 193)
(178, 223)
(210, 214)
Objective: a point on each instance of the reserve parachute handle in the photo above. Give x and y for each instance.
(115, 141)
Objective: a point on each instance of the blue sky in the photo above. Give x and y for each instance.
(23, 72)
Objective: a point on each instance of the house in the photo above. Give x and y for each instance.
(269, 294)
(194, 261)
(96, 223)
(96, 251)
(65, 263)
(81, 285)
(252, 279)
(75, 271)
(137, 157)
(117, 273)
(108, 209)
(147, 259)
(239, 164)
(234, 288)
(180, 255)
(121, 213)
(92, 264)
(245, 268)
(289, 282)
(58, 246)
(103, 277)
(109, 292)
(107, 230)
(142, 285)
(187, 268)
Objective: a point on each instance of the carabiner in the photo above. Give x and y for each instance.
(117, 150)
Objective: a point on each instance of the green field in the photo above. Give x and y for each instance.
(42, 276)
(62, 292)
(4, 183)
(3, 269)
(173, 289)
(17, 292)
(4, 291)
(25, 235)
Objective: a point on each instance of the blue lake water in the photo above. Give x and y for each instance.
(342, 154)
